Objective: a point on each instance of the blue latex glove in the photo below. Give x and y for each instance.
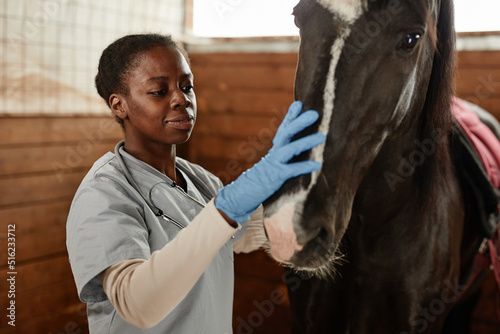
(241, 198)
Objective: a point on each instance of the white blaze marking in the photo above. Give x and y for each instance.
(328, 101)
(346, 10)
(279, 226)
(349, 11)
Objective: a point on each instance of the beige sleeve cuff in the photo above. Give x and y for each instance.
(255, 235)
(144, 292)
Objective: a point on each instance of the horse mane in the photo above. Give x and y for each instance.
(436, 120)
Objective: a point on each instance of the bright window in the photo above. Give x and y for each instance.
(257, 18)
(477, 15)
(243, 18)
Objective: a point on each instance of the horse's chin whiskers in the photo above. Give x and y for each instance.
(328, 270)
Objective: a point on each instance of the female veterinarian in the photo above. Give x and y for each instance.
(151, 236)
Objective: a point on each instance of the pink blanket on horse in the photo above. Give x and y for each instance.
(486, 143)
(488, 148)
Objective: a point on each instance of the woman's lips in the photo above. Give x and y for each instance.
(182, 124)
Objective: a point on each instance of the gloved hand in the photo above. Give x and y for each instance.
(241, 198)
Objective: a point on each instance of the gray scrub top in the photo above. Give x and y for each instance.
(110, 222)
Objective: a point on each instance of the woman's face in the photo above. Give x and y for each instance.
(161, 104)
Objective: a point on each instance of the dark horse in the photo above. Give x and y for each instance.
(386, 212)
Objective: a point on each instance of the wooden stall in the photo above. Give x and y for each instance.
(241, 100)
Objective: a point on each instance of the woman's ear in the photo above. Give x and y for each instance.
(118, 106)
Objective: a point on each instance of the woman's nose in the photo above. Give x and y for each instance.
(179, 100)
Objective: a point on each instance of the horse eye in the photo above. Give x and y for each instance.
(409, 42)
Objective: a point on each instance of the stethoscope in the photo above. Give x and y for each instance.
(157, 211)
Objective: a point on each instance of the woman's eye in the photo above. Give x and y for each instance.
(159, 92)
(409, 42)
(187, 89)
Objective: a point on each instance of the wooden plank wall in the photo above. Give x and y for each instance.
(478, 79)
(241, 99)
(241, 96)
(42, 162)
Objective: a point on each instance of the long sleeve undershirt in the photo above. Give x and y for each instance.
(136, 285)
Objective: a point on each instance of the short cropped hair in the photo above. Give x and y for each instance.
(122, 56)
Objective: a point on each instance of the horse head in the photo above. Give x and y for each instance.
(367, 67)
